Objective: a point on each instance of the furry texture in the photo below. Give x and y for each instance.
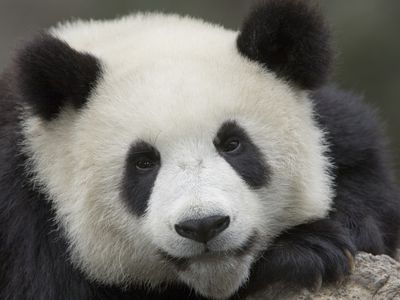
(50, 75)
(289, 38)
(34, 262)
(366, 208)
(247, 160)
(367, 201)
(78, 158)
(67, 229)
(138, 183)
(42, 244)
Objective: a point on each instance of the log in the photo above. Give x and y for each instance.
(374, 278)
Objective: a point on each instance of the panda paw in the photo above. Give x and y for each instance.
(306, 256)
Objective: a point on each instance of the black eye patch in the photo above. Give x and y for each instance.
(235, 146)
(141, 168)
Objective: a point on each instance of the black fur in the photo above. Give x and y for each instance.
(304, 256)
(366, 209)
(367, 201)
(247, 160)
(50, 74)
(33, 251)
(138, 184)
(34, 260)
(289, 38)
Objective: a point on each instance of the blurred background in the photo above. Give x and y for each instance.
(366, 32)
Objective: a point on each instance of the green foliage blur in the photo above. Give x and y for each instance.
(366, 33)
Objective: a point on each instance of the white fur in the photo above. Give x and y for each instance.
(172, 82)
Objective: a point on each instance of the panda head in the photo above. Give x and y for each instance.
(173, 150)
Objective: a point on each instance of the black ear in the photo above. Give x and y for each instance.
(290, 38)
(50, 74)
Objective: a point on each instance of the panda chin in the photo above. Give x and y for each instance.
(216, 278)
(216, 274)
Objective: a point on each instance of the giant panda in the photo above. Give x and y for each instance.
(162, 157)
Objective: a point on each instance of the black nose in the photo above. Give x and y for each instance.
(202, 230)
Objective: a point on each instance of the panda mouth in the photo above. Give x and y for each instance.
(210, 255)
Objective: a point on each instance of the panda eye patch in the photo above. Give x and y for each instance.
(230, 138)
(145, 164)
(143, 157)
(231, 146)
(142, 164)
(236, 147)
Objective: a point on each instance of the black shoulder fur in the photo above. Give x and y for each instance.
(367, 199)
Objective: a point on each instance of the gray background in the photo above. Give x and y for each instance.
(367, 35)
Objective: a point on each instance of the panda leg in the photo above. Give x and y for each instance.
(305, 257)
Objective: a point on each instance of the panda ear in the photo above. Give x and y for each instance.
(50, 74)
(290, 38)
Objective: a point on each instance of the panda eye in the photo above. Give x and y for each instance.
(145, 164)
(231, 146)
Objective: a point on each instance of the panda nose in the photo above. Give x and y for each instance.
(202, 230)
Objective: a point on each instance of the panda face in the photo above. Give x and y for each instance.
(185, 162)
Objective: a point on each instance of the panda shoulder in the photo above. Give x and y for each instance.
(352, 127)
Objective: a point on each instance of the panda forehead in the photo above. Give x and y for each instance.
(145, 37)
(167, 51)
(160, 69)
(175, 77)
(157, 101)
(172, 104)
